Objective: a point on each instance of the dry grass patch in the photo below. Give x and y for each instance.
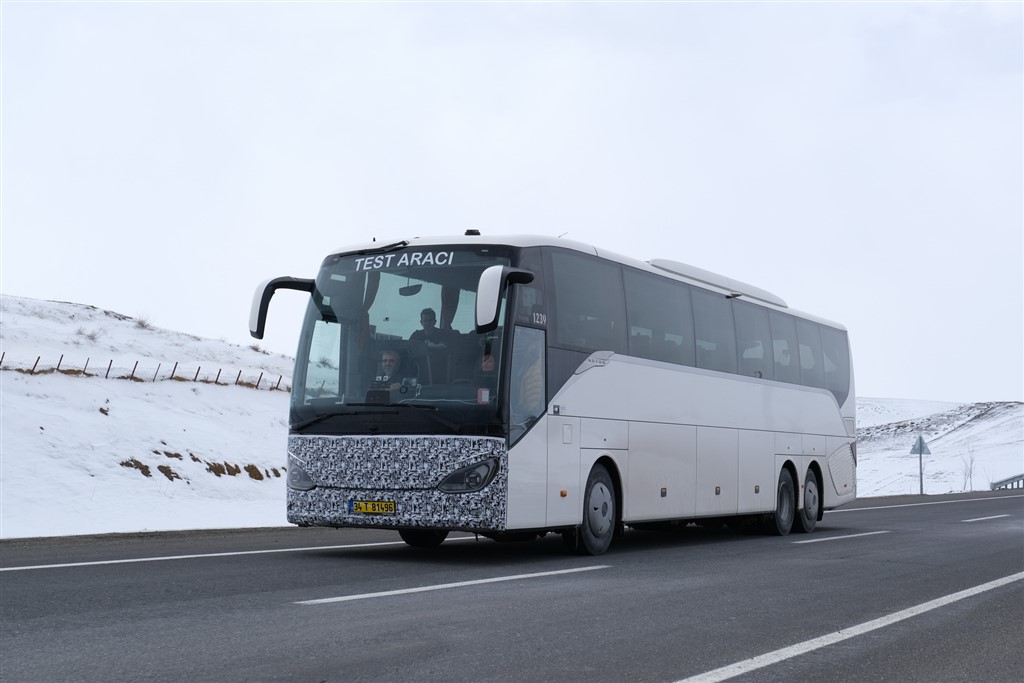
(140, 466)
(168, 472)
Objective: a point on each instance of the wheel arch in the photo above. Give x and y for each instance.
(613, 471)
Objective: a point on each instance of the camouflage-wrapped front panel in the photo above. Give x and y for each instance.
(404, 470)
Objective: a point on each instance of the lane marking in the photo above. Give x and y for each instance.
(776, 656)
(982, 519)
(910, 505)
(839, 538)
(205, 555)
(444, 586)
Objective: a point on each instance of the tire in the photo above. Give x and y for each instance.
(807, 517)
(595, 534)
(781, 521)
(423, 538)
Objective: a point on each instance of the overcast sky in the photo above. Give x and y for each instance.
(864, 161)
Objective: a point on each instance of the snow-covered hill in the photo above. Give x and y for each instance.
(197, 440)
(971, 444)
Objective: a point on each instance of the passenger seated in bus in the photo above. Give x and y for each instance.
(436, 339)
(392, 372)
(487, 364)
(438, 344)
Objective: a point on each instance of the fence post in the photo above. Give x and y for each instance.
(238, 378)
(133, 370)
(34, 365)
(2, 356)
(217, 380)
(60, 361)
(107, 376)
(196, 378)
(86, 368)
(175, 369)
(157, 371)
(278, 385)
(259, 380)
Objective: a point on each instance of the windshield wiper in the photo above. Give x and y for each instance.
(320, 418)
(384, 249)
(430, 413)
(381, 409)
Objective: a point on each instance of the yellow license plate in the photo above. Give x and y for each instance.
(372, 507)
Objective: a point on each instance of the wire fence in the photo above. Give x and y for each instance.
(148, 371)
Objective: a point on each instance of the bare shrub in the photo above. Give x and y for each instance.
(968, 469)
(91, 335)
(142, 322)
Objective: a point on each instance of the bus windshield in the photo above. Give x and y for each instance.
(388, 345)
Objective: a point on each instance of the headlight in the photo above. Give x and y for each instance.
(298, 478)
(472, 478)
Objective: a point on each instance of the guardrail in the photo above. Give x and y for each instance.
(1016, 482)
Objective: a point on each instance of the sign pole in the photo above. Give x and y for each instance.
(920, 448)
(920, 469)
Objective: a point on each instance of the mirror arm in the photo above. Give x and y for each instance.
(264, 292)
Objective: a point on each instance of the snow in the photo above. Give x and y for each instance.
(74, 440)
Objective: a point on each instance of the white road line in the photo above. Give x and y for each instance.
(910, 505)
(770, 658)
(982, 519)
(444, 586)
(231, 554)
(840, 538)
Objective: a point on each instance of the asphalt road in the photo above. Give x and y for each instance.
(894, 589)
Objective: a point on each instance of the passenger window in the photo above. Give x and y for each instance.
(811, 372)
(836, 355)
(784, 347)
(714, 330)
(753, 340)
(660, 318)
(590, 305)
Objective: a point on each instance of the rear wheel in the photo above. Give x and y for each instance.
(781, 522)
(423, 538)
(599, 520)
(808, 515)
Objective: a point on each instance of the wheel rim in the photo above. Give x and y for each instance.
(811, 500)
(601, 509)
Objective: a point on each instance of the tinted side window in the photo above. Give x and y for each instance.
(811, 372)
(753, 340)
(714, 331)
(660, 319)
(530, 297)
(591, 312)
(835, 348)
(784, 347)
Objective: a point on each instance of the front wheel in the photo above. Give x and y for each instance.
(599, 521)
(808, 515)
(423, 538)
(781, 522)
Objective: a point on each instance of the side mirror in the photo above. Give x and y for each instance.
(261, 300)
(493, 282)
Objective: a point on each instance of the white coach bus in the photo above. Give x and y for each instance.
(519, 385)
